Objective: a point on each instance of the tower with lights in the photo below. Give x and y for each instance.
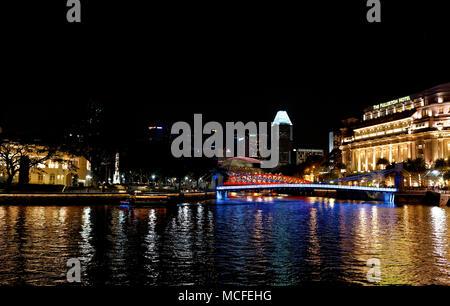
(286, 137)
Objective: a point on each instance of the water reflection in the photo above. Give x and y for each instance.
(285, 241)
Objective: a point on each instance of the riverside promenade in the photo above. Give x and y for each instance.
(101, 198)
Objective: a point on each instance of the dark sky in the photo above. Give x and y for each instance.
(322, 63)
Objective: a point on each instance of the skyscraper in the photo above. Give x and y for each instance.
(286, 137)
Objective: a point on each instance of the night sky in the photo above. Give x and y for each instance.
(322, 63)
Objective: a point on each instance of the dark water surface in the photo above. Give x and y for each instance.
(285, 242)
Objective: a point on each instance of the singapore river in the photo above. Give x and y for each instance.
(288, 241)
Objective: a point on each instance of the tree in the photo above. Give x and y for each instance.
(440, 164)
(416, 166)
(16, 157)
(382, 161)
(24, 170)
(446, 175)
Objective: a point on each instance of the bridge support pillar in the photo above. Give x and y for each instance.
(221, 194)
(389, 197)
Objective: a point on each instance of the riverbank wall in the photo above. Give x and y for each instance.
(101, 198)
(430, 198)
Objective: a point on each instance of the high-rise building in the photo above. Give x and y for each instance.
(330, 141)
(286, 137)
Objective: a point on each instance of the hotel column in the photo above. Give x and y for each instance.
(427, 150)
(445, 143)
(359, 160)
(390, 154)
(398, 157)
(374, 150)
(366, 157)
(441, 148)
(434, 150)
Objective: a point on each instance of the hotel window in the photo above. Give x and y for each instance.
(52, 179)
(441, 110)
(40, 178)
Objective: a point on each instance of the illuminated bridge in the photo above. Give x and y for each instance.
(349, 187)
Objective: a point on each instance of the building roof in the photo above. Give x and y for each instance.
(282, 118)
(384, 119)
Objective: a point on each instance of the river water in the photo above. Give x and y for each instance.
(288, 241)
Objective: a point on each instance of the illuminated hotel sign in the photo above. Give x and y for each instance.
(392, 102)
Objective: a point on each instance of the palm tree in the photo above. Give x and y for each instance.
(416, 166)
(446, 175)
(440, 164)
(382, 161)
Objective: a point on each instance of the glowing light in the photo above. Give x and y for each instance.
(282, 118)
(317, 186)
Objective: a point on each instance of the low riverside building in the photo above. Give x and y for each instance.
(63, 169)
(58, 173)
(415, 126)
(301, 155)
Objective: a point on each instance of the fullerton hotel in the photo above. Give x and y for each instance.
(408, 127)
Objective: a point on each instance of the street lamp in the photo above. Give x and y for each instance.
(153, 179)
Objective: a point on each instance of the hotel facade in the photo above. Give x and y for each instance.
(405, 128)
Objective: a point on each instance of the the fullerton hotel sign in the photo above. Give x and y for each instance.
(392, 102)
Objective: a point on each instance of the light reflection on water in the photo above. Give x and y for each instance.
(285, 242)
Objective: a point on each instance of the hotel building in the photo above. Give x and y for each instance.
(408, 127)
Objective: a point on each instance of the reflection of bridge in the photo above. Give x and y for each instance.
(348, 186)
